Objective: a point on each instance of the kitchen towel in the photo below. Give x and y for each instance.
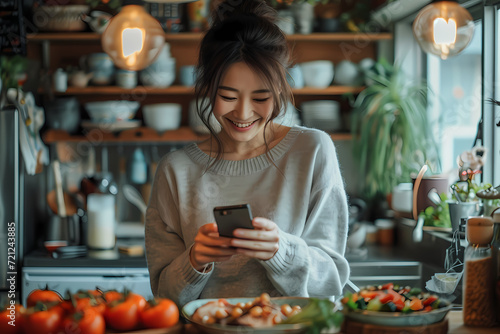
(31, 120)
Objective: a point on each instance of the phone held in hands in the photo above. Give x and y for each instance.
(229, 218)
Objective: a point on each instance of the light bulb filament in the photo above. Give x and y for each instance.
(132, 41)
(445, 32)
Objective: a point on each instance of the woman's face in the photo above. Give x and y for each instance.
(243, 104)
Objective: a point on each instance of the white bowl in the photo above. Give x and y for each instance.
(357, 235)
(347, 73)
(318, 73)
(162, 116)
(111, 111)
(322, 114)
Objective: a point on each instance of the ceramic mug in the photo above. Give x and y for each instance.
(187, 75)
(101, 65)
(126, 79)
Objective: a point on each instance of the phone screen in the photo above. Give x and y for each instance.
(229, 218)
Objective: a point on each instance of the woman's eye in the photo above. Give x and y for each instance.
(227, 98)
(261, 100)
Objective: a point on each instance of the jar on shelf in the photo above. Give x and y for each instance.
(478, 299)
(495, 249)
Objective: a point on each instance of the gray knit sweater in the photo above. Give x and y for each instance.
(308, 204)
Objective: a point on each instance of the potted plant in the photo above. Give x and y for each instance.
(391, 134)
(12, 74)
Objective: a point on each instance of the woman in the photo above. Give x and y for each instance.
(289, 176)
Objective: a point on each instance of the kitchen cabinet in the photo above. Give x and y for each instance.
(57, 50)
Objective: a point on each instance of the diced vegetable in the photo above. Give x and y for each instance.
(374, 305)
(391, 297)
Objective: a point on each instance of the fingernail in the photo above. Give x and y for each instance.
(258, 221)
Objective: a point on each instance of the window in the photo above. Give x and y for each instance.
(455, 100)
(461, 86)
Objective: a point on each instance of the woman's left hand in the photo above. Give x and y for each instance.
(261, 243)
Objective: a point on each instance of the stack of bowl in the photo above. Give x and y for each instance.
(322, 114)
(111, 111)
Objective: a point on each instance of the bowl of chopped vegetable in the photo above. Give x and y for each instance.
(393, 305)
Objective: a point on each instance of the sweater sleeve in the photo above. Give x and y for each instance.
(313, 264)
(171, 273)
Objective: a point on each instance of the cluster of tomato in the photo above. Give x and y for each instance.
(88, 312)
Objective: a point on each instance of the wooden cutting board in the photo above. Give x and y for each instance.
(352, 327)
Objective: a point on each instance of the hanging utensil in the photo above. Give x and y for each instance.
(61, 208)
(135, 197)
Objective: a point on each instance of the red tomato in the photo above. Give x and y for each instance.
(388, 286)
(90, 298)
(87, 321)
(45, 321)
(44, 296)
(11, 319)
(385, 298)
(139, 300)
(369, 295)
(112, 295)
(160, 313)
(429, 300)
(122, 315)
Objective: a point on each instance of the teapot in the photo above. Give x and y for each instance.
(97, 20)
(80, 79)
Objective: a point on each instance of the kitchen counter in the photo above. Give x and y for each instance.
(94, 259)
(455, 326)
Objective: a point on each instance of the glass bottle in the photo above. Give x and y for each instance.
(495, 249)
(478, 300)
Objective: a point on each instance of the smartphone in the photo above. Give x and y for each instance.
(229, 218)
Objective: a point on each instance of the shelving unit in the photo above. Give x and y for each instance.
(65, 49)
(142, 135)
(196, 37)
(176, 90)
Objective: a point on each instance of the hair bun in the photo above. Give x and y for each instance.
(233, 9)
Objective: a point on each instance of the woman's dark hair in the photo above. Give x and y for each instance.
(243, 31)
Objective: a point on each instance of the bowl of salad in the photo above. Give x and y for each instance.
(394, 305)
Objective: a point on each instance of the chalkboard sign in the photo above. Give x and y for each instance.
(12, 30)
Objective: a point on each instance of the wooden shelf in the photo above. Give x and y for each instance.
(137, 135)
(184, 90)
(196, 37)
(330, 90)
(142, 135)
(115, 90)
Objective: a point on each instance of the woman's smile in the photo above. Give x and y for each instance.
(242, 126)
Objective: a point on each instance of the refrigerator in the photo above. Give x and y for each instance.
(11, 203)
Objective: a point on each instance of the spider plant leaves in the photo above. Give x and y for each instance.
(390, 129)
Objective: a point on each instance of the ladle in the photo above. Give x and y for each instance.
(134, 197)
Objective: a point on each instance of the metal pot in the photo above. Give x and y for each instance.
(64, 229)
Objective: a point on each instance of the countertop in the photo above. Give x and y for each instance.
(94, 259)
(455, 326)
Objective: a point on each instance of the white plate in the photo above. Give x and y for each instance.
(111, 127)
(398, 319)
(189, 309)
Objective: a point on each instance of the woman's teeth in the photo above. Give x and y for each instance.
(242, 125)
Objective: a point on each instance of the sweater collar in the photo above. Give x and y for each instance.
(247, 166)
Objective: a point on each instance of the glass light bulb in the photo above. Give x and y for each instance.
(443, 29)
(133, 38)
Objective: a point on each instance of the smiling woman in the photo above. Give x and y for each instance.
(289, 176)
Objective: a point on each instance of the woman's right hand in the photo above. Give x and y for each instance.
(210, 247)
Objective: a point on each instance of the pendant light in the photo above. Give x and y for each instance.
(133, 38)
(443, 28)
